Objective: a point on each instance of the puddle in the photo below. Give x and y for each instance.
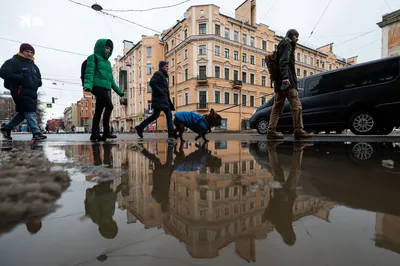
(228, 202)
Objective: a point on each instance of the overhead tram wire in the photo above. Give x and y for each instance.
(323, 13)
(147, 9)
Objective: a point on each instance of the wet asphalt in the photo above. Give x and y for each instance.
(238, 199)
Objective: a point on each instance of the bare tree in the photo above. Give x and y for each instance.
(41, 110)
(7, 107)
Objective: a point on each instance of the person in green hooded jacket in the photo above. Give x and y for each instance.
(99, 80)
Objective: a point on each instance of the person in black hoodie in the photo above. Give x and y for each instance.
(22, 77)
(160, 100)
(286, 87)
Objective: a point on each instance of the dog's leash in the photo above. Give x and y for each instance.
(236, 105)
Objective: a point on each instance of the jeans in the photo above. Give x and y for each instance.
(103, 102)
(155, 115)
(21, 116)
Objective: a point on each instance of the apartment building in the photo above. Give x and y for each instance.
(133, 72)
(217, 61)
(86, 107)
(68, 118)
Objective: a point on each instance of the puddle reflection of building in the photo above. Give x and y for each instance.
(387, 232)
(210, 209)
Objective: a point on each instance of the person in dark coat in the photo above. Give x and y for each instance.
(22, 77)
(286, 88)
(160, 100)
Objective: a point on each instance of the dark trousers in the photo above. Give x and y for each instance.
(155, 115)
(103, 102)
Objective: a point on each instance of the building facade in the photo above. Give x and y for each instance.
(7, 107)
(74, 112)
(390, 25)
(68, 118)
(85, 109)
(133, 72)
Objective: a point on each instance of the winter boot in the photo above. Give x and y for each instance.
(39, 136)
(139, 131)
(272, 135)
(6, 133)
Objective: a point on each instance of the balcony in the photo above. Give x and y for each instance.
(237, 84)
(202, 106)
(202, 79)
(123, 101)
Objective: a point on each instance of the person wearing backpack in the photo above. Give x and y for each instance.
(281, 66)
(97, 77)
(22, 77)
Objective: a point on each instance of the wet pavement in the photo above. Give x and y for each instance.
(228, 202)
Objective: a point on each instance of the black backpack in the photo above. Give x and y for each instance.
(83, 70)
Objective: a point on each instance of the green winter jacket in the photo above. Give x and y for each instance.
(100, 76)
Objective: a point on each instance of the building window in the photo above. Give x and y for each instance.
(203, 98)
(227, 33)
(202, 49)
(226, 53)
(262, 102)
(172, 63)
(185, 34)
(244, 39)
(236, 99)
(263, 63)
(217, 30)
(298, 72)
(305, 73)
(264, 81)
(244, 100)
(149, 51)
(311, 61)
(217, 97)
(148, 69)
(252, 41)
(236, 36)
(236, 55)
(330, 67)
(217, 50)
(227, 73)
(252, 59)
(203, 28)
(186, 54)
(244, 58)
(226, 97)
(323, 65)
(305, 59)
(148, 86)
(264, 45)
(235, 75)
(317, 63)
(173, 100)
(203, 72)
(173, 80)
(217, 72)
(252, 101)
(186, 98)
(186, 74)
(252, 78)
(244, 77)
(311, 73)
(298, 57)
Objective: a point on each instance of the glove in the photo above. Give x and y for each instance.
(122, 94)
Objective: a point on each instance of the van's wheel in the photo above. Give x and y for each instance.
(363, 123)
(262, 126)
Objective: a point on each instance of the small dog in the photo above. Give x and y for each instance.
(201, 124)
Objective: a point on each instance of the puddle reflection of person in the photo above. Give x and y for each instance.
(161, 176)
(280, 208)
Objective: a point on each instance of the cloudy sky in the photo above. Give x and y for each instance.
(67, 26)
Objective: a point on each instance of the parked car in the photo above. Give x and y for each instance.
(364, 98)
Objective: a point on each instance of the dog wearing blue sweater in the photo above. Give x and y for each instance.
(200, 124)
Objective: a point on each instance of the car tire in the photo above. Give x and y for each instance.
(262, 126)
(363, 123)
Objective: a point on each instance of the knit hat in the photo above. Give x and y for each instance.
(162, 63)
(110, 44)
(26, 47)
(292, 32)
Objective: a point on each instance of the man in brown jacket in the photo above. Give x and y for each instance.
(286, 87)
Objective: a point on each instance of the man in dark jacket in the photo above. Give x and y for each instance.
(160, 100)
(22, 77)
(286, 87)
(99, 80)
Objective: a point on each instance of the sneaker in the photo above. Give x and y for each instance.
(39, 136)
(274, 135)
(6, 133)
(139, 131)
(303, 135)
(109, 136)
(96, 137)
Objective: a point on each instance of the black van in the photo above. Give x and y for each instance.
(364, 98)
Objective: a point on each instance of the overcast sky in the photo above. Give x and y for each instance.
(71, 27)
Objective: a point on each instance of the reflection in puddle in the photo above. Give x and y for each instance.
(250, 196)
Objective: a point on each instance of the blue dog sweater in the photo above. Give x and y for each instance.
(193, 121)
